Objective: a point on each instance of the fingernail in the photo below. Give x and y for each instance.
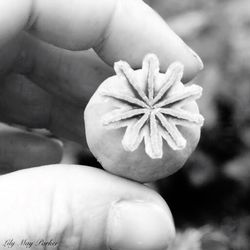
(139, 225)
(200, 63)
(57, 141)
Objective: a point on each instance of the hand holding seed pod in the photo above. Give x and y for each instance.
(143, 107)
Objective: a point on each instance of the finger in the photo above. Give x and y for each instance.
(109, 30)
(71, 75)
(19, 149)
(147, 34)
(66, 206)
(35, 108)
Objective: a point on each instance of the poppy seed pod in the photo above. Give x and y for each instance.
(143, 124)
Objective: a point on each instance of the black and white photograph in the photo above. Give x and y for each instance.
(125, 124)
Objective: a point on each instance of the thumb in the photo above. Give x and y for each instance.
(73, 207)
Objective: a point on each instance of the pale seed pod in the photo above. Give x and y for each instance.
(143, 124)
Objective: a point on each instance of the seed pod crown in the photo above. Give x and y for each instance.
(152, 114)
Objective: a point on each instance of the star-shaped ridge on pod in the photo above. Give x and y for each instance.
(152, 114)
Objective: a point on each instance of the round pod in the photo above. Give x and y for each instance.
(143, 124)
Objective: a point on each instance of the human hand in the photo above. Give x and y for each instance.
(77, 207)
(47, 78)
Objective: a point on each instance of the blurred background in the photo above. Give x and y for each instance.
(210, 196)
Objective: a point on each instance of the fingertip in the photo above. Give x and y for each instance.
(139, 225)
(192, 65)
(20, 150)
(199, 62)
(148, 34)
(44, 150)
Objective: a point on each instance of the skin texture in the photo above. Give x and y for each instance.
(55, 203)
(49, 67)
(106, 144)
